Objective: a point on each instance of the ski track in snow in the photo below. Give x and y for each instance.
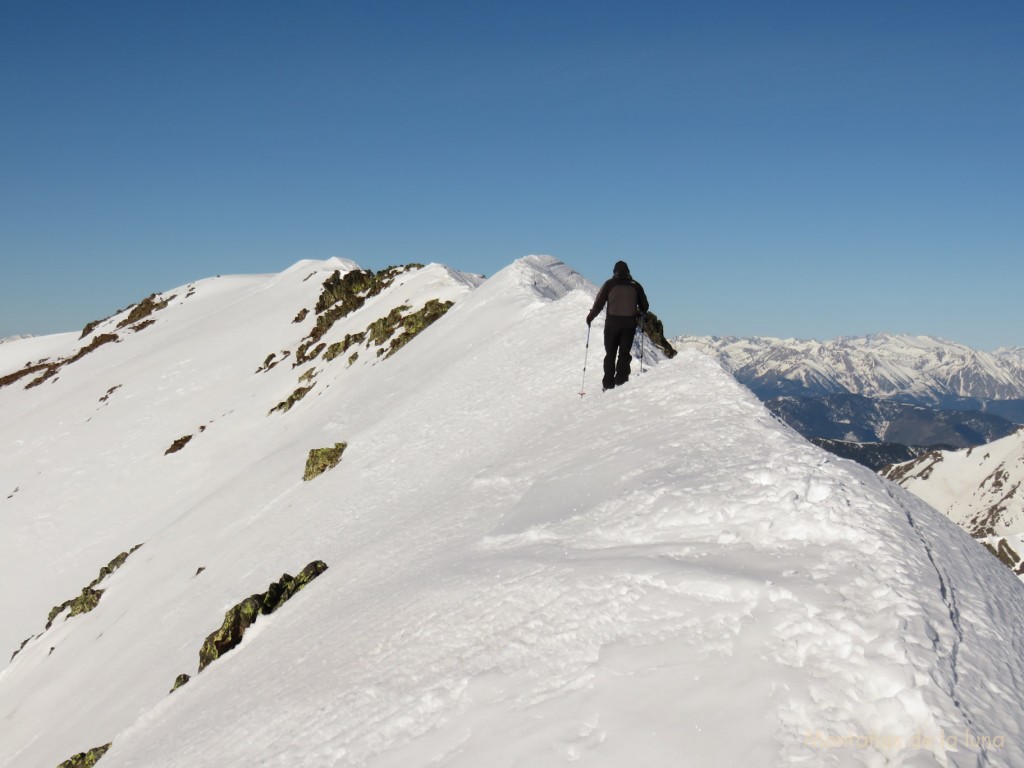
(657, 575)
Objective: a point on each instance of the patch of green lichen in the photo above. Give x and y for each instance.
(308, 375)
(144, 309)
(286, 405)
(322, 459)
(85, 759)
(241, 616)
(415, 323)
(353, 357)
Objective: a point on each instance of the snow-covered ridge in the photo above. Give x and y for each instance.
(980, 489)
(515, 574)
(880, 365)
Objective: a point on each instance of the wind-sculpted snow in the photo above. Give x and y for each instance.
(658, 575)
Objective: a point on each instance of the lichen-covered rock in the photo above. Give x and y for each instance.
(383, 328)
(301, 315)
(86, 759)
(293, 398)
(344, 294)
(90, 596)
(341, 347)
(416, 322)
(281, 591)
(236, 621)
(322, 459)
(303, 354)
(179, 681)
(240, 617)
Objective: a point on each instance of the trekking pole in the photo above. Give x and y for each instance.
(643, 322)
(585, 355)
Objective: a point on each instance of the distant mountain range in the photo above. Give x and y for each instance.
(881, 397)
(980, 489)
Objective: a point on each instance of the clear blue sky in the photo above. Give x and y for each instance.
(778, 168)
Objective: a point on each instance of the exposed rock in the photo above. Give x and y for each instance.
(1007, 555)
(22, 646)
(272, 360)
(90, 596)
(53, 368)
(417, 322)
(341, 347)
(84, 603)
(301, 315)
(179, 681)
(344, 294)
(86, 759)
(383, 328)
(178, 444)
(110, 391)
(322, 459)
(304, 355)
(144, 309)
(241, 616)
(21, 373)
(286, 405)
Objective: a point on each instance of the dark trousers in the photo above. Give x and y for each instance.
(618, 340)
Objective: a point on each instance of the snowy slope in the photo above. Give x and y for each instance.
(881, 365)
(981, 489)
(517, 576)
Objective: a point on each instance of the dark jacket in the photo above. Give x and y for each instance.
(624, 296)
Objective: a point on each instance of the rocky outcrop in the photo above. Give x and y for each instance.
(86, 759)
(241, 616)
(144, 309)
(87, 600)
(286, 405)
(322, 459)
(178, 444)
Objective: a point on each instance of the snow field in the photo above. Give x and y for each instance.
(657, 575)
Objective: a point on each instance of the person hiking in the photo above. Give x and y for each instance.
(626, 301)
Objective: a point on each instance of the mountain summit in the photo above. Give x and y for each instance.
(366, 519)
